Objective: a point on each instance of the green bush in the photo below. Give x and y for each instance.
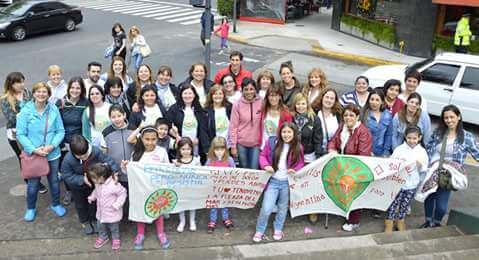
(381, 31)
(225, 7)
(447, 44)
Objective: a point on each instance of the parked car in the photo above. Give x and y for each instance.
(5, 2)
(448, 78)
(23, 18)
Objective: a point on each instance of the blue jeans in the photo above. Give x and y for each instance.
(214, 214)
(53, 183)
(248, 157)
(137, 58)
(224, 42)
(436, 204)
(277, 191)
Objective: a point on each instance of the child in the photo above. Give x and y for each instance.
(224, 28)
(146, 151)
(410, 150)
(185, 156)
(280, 157)
(110, 197)
(164, 140)
(218, 156)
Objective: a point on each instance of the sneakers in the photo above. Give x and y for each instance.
(258, 237)
(181, 227)
(100, 242)
(59, 210)
(426, 224)
(220, 52)
(192, 226)
(87, 228)
(30, 215)
(165, 243)
(228, 224)
(67, 198)
(138, 244)
(42, 189)
(350, 227)
(115, 244)
(211, 227)
(278, 235)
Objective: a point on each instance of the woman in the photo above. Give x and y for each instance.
(352, 138)
(56, 83)
(167, 91)
(359, 95)
(459, 143)
(317, 82)
(36, 137)
(95, 117)
(71, 109)
(118, 69)
(218, 110)
(273, 114)
(15, 96)
(264, 81)
(197, 79)
(137, 42)
(379, 122)
(289, 85)
(392, 102)
(229, 86)
(411, 114)
(119, 41)
(114, 94)
(143, 78)
(190, 120)
(329, 112)
(150, 108)
(245, 125)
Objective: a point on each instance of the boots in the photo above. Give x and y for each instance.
(401, 225)
(388, 223)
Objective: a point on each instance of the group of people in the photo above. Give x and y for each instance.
(97, 125)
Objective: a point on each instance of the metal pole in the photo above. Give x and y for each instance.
(208, 37)
(234, 16)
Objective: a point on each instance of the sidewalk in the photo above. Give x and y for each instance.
(313, 34)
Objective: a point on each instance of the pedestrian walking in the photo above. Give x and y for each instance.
(224, 29)
(203, 26)
(119, 41)
(139, 49)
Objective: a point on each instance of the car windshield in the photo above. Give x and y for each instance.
(17, 8)
(418, 64)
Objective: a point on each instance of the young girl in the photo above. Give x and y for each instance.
(218, 110)
(391, 90)
(150, 107)
(281, 158)
(137, 42)
(218, 156)
(186, 157)
(95, 117)
(410, 150)
(224, 28)
(110, 197)
(119, 40)
(264, 81)
(146, 151)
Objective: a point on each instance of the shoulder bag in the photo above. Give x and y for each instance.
(33, 165)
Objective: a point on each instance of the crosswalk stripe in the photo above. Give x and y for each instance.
(191, 22)
(103, 5)
(125, 8)
(163, 13)
(177, 15)
(133, 12)
(153, 10)
(189, 17)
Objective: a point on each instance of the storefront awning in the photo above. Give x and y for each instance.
(474, 3)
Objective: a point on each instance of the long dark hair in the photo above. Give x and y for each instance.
(80, 81)
(442, 128)
(147, 88)
(367, 106)
(184, 141)
(271, 91)
(91, 107)
(113, 33)
(294, 151)
(402, 114)
(196, 101)
(139, 148)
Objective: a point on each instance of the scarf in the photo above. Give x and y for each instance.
(301, 120)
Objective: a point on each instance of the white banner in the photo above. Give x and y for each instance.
(339, 184)
(157, 189)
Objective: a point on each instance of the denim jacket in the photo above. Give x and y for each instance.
(381, 132)
(469, 145)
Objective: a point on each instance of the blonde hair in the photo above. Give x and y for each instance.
(218, 141)
(54, 68)
(309, 110)
(130, 32)
(322, 84)
(40, 85)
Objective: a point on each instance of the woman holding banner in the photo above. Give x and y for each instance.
(352, 138)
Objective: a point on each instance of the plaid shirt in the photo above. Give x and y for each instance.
(460, 149)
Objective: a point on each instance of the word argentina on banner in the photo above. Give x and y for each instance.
(338, 184)
(157, 189)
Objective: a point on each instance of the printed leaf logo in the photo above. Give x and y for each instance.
(160, 202)
(344, 179)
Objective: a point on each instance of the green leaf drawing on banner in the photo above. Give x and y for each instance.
(160, 202)
(345, 179)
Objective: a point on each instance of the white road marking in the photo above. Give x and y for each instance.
(177, 15)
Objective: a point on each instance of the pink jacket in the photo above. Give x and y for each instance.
(109, 198)
(265, 158)
(245, 122)
(224, 28)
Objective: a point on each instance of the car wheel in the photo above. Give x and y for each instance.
(19, 33)
(70, 25)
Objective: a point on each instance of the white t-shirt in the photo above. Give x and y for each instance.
(88, 83)
(221, 122)
(159, 155)
(282, 172)
(58, 92)
(234, 98)
(412, 154)
(270, 127)
(151, 114)
(102, 121)
(331, 124)
(201, 93)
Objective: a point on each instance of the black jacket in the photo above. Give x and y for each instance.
(211, 119)
(136, 117)
(312, 137)
(72, 116)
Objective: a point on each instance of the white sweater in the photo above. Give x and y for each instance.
(411, 155)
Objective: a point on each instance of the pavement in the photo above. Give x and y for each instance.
(313, 34)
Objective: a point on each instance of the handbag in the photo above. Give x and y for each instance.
(448, 178)
(109, 51)
(145, 50)
(33, 165)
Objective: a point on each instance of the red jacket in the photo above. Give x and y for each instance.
(284, 116)
(224, 29)
(396, 107)
(359, 143)
(243, 73)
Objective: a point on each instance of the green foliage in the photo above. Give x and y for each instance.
(445, 43)
(225, 7)
(381, 31)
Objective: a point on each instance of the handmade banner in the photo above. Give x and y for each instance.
(339, 184)
(157, 189)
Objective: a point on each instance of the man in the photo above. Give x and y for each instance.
(411, 81)
(235, 68)
(462, 37)
(203, 26)
(93, 73)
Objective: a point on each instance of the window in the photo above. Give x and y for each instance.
(56, 6)
(441, 73)
(470, 80)
(40, 8)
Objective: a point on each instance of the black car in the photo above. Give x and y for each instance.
(27, 17)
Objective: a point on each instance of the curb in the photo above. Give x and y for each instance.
(319, 51)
